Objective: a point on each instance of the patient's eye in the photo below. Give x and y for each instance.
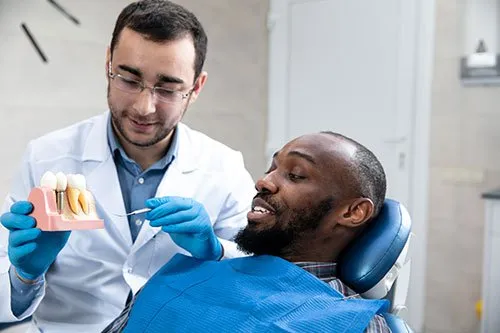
(294, 177)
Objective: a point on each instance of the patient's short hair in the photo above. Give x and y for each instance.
(368, 173)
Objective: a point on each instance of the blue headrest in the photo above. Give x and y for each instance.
(370, 257)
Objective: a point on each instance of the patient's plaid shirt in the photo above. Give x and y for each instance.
(326, 272)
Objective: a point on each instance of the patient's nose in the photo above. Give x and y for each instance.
(265, 185)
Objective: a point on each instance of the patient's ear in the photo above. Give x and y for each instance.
(356, 212)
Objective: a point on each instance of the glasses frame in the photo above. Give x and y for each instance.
(153, 89)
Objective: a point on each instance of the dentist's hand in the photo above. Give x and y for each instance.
(188, 224)
(31, 251)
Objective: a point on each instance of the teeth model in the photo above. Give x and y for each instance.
(62, 183)
(77, 193)
(49, 180)
(72, 187)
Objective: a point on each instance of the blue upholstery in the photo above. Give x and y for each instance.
(370, 258)
(375, 253)
(396, 324)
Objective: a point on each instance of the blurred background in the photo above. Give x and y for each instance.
(414, 80)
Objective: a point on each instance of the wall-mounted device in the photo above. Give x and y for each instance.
(481, 63)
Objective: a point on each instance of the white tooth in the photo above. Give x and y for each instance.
(49, 180)
(71, 180)
(261, 209)
(81, 182)
(62, 182)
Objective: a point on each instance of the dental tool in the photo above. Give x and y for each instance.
(135, 212)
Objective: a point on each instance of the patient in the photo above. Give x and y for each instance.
(319, 193)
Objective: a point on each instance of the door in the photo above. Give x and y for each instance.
(349, 70)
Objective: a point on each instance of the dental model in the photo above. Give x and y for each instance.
(77, 194)
(62, 183)
(49, 180)
(58, 183)
(62, 202)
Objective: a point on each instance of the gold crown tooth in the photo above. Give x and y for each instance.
(84, 202)
(73, 195)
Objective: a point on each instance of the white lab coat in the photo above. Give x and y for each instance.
(88, 284)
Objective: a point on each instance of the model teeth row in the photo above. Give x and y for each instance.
(75, 187)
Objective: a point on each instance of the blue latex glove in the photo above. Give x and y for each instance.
(31, 251)
(188, 224)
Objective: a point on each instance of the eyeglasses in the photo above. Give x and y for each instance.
(132, 86)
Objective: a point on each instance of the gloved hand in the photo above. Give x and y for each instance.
(31, 251)
(188, 224)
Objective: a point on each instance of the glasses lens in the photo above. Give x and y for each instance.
(126, 84)
(168, 96)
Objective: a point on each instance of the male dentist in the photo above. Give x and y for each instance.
(79, 281)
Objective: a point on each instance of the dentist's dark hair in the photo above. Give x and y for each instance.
(161, 21)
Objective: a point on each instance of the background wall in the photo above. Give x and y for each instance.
(464, 162)
(233, 107)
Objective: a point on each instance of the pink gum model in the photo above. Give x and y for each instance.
(48, 219)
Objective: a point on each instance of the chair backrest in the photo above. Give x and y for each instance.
(376, 265)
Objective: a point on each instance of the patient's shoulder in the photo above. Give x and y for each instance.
(378, 323)
(342, 288)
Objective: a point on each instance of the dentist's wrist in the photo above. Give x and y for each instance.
(25, 280)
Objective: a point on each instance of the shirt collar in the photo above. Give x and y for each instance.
(322, 270)
(116, 148)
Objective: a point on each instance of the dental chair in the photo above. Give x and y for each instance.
(377, 265)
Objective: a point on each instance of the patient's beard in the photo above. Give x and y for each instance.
(279, 241)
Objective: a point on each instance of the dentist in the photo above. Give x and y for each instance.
(79, 281)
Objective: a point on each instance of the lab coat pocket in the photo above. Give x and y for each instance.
(164, 250)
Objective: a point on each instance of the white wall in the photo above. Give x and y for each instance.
(36, 97)
(464, 163)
